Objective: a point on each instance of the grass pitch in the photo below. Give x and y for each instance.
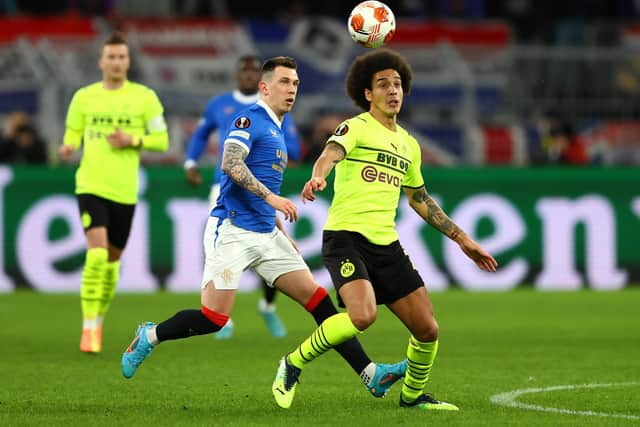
(490, 343)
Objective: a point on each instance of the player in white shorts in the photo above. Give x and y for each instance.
(230, 250)
(218, 115)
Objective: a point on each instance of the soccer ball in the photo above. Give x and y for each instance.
(371, 24)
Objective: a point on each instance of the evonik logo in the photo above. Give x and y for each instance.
(371, 174)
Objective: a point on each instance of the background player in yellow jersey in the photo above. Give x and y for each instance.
(374, 158)
(113, 120)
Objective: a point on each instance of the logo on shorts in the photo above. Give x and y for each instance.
(86, 219)
(347, 268)
(227, 275)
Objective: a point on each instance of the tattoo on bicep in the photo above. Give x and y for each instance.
(436, 216)
(233, 165)
(336, 149)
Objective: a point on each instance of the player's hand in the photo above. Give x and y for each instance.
(66, 151)
(482, 258)
(314, 184)
(284, 205)
(119, 139)
(193, 176)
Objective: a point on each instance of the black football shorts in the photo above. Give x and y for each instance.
(348, 256)
(96, 211)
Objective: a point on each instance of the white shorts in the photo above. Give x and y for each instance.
(235, 250)
(213, 195)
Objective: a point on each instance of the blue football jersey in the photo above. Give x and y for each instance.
(259, 132)
(218, 115)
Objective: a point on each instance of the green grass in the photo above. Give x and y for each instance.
(489, 343)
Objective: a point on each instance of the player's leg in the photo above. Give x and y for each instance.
(416, 312)
(93, 216)
(345, 256)
(120, 220)
(400, 287)
(213, 314)
(267, 310)
(332, 331)
(335, 330)
(358, 296)
(225, 261)
(227, 330)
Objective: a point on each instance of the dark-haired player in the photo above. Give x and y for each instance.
(218, 114)
(375, 158)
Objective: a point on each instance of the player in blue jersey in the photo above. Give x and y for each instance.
(245, 231)
(218, 114)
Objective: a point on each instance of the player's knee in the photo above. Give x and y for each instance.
(427, 331)
(363, 318)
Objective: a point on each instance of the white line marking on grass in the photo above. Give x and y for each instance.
(510, 399)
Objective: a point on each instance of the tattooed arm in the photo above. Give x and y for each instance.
(432, 213)
(332, 154)
(234, 166)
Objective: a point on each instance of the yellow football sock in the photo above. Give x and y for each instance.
(420, 357)
(332, 331)
(91, 286)
(111, 274)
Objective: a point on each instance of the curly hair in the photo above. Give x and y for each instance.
(360, 75)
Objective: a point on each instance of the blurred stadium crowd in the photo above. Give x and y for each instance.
(509, 82)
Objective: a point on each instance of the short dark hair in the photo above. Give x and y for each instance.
(248, 58)
(278, 61)
(116, 37)
(360, 75)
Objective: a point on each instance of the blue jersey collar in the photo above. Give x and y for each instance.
(270, 112)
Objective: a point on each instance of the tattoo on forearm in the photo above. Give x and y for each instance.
(436, 216)
(233, 165)
(337, 149)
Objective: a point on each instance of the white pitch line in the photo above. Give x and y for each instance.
(510, 399)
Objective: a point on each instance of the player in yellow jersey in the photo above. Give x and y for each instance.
(375, 158)
(113, 120)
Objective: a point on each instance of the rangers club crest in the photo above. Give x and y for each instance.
(242, 122)
(341, 130)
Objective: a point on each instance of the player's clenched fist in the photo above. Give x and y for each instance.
(314, 184)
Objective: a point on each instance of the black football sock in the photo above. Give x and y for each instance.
(184, 324)
(350, 350)
(269, 293)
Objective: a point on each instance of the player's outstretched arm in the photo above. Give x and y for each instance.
(330, 156)
(432, 213)
(234, 166)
